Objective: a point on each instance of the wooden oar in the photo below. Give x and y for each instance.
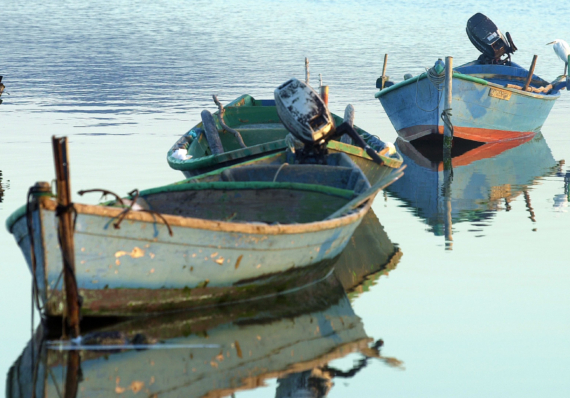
(364, 196)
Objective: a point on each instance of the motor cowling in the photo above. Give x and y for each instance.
(488, 39)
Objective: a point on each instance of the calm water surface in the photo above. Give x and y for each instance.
(488, 315)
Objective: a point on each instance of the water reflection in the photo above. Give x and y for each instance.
(482, 179)
(561, 200)
(3, 187)
(214, 352)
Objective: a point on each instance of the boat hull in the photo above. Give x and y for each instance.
(140, 268)
(481, 111)
(264, 134)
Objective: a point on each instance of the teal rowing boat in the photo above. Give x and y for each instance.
(263, 134)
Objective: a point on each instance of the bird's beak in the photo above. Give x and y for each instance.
(550, 43)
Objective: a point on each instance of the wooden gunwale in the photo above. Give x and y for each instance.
(222, 226)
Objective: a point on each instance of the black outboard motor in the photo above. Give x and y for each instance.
(489, 40)
(308, 119)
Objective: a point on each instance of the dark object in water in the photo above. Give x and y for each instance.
(489, 40)
(1, 88)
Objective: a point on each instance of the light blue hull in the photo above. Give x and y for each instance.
(483, 110)
(140, 268)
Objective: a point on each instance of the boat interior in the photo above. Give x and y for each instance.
(299, 193)
(512, 76)
(257, 122)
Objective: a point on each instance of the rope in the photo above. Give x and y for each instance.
(446, 117)
(434, 79)
(279, 170)
(135, 195)
(224, 125)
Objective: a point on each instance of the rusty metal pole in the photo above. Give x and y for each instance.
(66, 231)
(530, 73)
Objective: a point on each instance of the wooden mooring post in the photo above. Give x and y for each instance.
(446, 115)
(530, 73)
(64, 213)
(447, 145)
(384, 77)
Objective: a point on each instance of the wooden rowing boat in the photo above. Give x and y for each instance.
(263, 133)
(237, 233)
(284, 336)
(489, 104)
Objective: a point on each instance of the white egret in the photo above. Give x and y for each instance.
(562, 49)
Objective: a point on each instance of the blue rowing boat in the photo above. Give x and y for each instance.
(493, 98)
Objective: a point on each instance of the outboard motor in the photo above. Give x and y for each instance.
(488, 39)
(305, 115)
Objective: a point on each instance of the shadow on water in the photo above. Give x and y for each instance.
(217, 351)
(484, 179)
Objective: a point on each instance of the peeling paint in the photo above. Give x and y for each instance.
(238, 349)
(238, 261)
(220, 261)
(136, 253)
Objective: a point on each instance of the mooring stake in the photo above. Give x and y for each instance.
(530, 73)
(447, 145)
(64, 213)
(384, 77)
(446, 114)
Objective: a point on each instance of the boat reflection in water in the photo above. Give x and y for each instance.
(482, 179)
(216, 351)
(2, 188)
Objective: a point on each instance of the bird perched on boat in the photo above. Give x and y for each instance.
(562, 49)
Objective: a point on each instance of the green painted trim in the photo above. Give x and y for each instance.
(221, 169)
(212, 160)
(423, 76)
(400, 84)
(470, 78)
(232, 185)
(14, 217)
